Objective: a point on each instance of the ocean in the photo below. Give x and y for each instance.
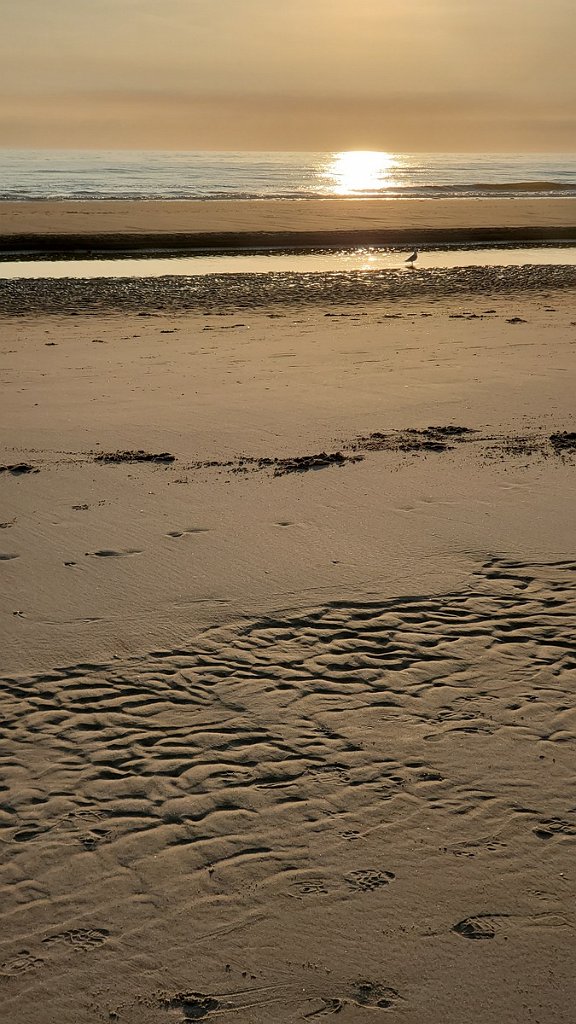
(87, 174)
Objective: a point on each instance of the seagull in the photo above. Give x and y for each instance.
(412, 258)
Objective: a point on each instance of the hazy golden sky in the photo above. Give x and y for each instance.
(289, 74)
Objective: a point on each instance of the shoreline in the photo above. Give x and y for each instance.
(62, 226)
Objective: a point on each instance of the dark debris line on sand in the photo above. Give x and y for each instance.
(19, 469)
(302, 463)
(430, 439)
(280, 467)
(412, 441)
(136, 456)
(564, 441)
(296, 464)
(443, 439)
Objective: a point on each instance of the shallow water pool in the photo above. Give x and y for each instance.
(359, 259)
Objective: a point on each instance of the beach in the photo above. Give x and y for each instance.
(288, 618)
(67, 226)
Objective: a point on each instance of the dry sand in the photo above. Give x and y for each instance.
(283, 743)
(59, 226)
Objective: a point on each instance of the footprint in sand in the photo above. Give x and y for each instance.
(554, 827)
(23, 962)
(488, 926)
(326, 1006)
(361, 994)
(175, 534)
(369, 879)
(110, 553)
(194, 1005)
(312, 887)
(81, 939)
(367, 993)
(481, 927)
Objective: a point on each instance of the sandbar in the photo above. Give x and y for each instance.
(66, 226)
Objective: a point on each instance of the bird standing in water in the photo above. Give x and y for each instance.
(412, 258)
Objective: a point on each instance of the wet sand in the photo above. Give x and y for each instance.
(229, 292)
(288, 614)
(218, 224)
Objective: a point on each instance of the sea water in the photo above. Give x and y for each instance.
(87, 174)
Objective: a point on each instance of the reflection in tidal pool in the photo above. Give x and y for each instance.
(353, 260)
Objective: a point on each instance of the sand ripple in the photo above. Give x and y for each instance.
(324, 757)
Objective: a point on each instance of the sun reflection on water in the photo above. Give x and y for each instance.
(360, 172)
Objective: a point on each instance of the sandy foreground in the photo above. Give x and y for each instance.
(287, 739)
(61, 226)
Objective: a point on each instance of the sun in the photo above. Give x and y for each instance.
(359, 171)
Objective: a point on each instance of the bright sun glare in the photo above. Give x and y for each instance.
(359, 171)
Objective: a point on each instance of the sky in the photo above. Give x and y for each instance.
(396, 75)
